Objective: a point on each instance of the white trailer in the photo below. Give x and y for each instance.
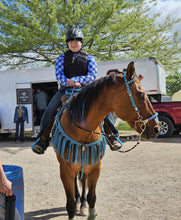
(16, 86)
(151, 69)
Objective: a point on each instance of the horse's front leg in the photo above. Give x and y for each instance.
(67, 175)
(77, 194)
(91, 196)
(83, 199)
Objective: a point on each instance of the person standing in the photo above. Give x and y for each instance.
(41, 100)
(20, 116)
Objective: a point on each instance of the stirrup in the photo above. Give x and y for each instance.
(119, 141)
(38, 149)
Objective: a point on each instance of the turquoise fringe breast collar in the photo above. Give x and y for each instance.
(85, 154)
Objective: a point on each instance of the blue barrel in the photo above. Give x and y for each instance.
(15, 175)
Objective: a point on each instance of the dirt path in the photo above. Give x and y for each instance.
(144, 184)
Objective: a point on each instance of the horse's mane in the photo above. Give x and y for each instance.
(80, 104)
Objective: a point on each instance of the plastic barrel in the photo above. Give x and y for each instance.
(15, 175)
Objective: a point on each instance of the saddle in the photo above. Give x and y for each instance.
(68, 93)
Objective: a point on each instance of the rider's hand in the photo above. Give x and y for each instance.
(77, 84)
(70, 82)
(73, 84)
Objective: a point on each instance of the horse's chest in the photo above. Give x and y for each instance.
(76, 152)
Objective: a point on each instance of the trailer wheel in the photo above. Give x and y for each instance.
(167, 127)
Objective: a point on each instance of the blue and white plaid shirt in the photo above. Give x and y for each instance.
(90, 77)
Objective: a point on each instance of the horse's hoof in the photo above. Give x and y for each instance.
(77, 210)
(83, 211)
(92, 217)
(92, 214)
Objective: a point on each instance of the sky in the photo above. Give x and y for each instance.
(169, 7)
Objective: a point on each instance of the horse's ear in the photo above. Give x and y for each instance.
(130, 70)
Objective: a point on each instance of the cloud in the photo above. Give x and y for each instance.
(170, 8)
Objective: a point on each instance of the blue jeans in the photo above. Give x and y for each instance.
(109, 121)
(20, 123)
(51, 109)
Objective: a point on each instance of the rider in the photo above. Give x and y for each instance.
(74, 68)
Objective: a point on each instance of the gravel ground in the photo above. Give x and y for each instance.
(143, 184)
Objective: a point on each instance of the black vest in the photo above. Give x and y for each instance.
(75, 64)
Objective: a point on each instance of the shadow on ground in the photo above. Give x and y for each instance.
(46, 214)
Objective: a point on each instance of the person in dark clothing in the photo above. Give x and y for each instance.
(74, 68)
(41, 100)
(20, 116)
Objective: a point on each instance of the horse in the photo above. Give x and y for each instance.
(78, 139)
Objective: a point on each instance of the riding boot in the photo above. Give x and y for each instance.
(42, 141)
(112, 140)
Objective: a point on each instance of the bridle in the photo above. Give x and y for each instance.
(139, 120)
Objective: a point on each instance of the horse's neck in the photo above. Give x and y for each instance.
(99, 111)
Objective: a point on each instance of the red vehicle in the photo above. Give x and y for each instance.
(169, 117)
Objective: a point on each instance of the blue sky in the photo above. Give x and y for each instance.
(169, 7)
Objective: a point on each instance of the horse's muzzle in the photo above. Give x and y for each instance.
(150, 133)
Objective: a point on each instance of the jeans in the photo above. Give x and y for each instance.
(109, 120)
(20, 123)
(51, 109)
(41, 112)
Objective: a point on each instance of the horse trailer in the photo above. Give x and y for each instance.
(17, 86)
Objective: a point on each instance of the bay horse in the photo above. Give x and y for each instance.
(78, 140)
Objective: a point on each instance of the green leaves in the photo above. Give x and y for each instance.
(34, 31)
(173, 83)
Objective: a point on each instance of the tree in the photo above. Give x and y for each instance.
(33, 31)
(173, 83)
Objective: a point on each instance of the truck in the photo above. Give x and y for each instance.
(169, 117)
(18, 86)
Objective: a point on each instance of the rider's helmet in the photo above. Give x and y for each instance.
(74, 33)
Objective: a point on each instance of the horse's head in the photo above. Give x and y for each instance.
(134, 100)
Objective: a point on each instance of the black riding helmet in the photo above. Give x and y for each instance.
(74, 33)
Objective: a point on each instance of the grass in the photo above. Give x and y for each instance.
(124, 126)
(27, 134)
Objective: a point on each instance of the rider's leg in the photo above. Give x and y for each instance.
(110, 122)
(109, 129)
(46, 123)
